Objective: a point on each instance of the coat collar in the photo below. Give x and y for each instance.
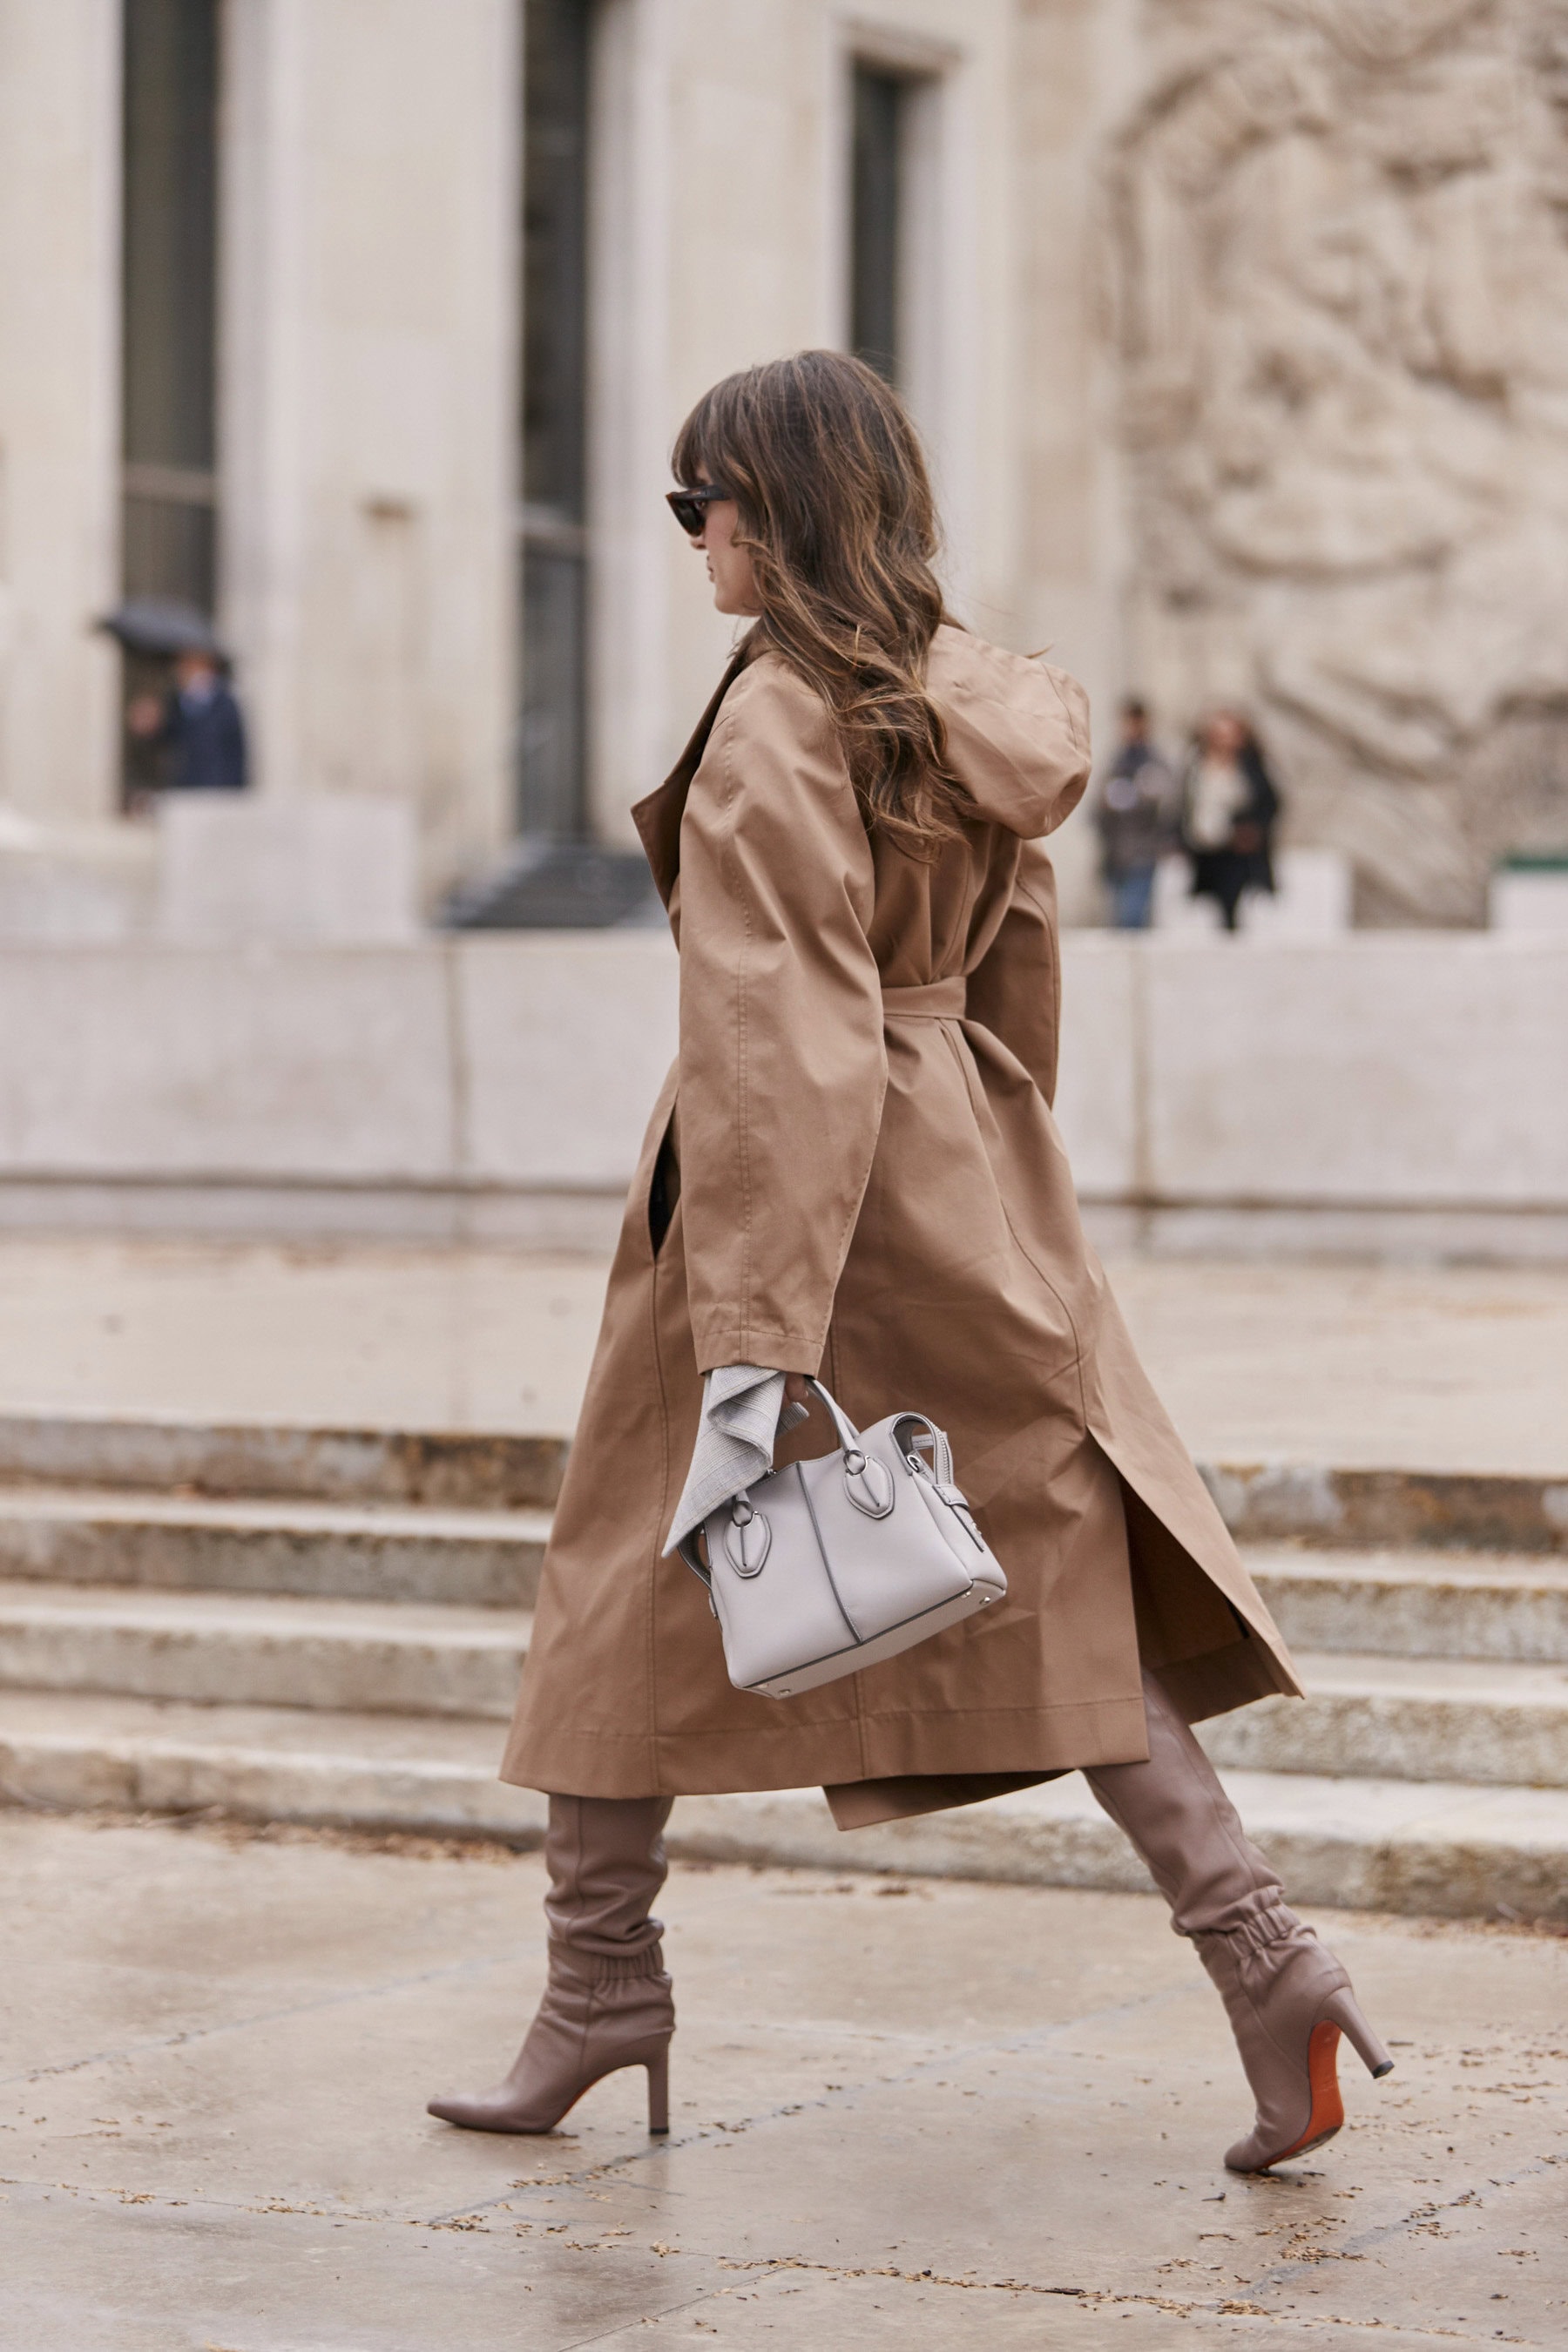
(657, 818)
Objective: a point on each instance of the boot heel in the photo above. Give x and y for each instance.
(1340, 2010)
(658, 2095)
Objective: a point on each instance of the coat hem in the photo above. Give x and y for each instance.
(1027, 1741)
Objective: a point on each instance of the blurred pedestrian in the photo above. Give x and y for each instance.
(1230, 805)
(197, 724)
(1136, 816)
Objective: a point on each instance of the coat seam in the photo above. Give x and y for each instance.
(1021, 890)
(651, 1580)
(742, 1068)
(1076, 1362)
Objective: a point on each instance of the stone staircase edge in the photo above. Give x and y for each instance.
(1261, 1500)
(1421, 1869)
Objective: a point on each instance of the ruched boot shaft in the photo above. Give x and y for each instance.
(608, 2002)
(1287, 1997)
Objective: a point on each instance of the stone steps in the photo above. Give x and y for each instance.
(469, 1558)
(246, 1649)
(1441, 1848)
(328, 1625)
(1398, 1605)
(1406, 1719)
(1415, 1604)
(462, 1469)
(1262, 1503)
(1393, 1718)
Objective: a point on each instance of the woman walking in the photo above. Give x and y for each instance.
(853, 1169)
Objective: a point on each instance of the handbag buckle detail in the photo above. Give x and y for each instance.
(868, 1483)
(748, 1538)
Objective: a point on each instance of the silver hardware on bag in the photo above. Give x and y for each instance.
(747, 1538)
(831, 1565)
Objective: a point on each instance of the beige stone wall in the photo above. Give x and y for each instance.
(370, 272)
(1241, 345)
(720, 241)
(1335, 233)
(1380, 1095)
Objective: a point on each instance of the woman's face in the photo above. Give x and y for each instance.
(729, 566)
(1223, 736)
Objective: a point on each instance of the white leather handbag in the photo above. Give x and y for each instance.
(828, 1566)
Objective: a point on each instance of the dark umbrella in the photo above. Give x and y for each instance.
(161, 625)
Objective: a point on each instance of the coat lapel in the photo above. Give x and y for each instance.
(657, 818)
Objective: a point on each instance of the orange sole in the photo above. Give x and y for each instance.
(1328, 2108)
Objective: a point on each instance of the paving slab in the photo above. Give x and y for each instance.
(924, 2113)
(1419, 1367)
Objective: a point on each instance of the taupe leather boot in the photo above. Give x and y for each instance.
(608, 2002)
(1288, 1998)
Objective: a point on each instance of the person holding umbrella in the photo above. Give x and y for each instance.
(195, 728)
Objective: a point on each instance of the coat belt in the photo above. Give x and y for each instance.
(931, 1000)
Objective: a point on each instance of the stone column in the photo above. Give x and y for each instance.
(59, 371)
(368, 401)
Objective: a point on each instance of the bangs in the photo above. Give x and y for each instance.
(689, 459)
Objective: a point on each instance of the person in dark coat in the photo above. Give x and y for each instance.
(1230, 805)
(1135, 817)
(198, 727)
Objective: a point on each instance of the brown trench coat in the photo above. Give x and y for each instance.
(871, 1183)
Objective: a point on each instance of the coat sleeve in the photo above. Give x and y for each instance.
(1016, 989)
(783, 1064)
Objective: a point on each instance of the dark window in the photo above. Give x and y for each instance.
(170, 262)
(550, 793)
(168, 326)
(876, 219)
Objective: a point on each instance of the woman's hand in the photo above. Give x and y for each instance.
(796, 1390)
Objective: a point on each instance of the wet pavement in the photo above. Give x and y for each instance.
(912, 2113)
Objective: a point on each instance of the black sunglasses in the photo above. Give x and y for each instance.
(687, 507)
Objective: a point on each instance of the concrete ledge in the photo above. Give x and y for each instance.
(1378, 1093)
(1307, 1229)
(224, 1209)
(457, 1469)
(1450, 1851)
(1361, 1509)
(587, 1219)
(1309, 1503)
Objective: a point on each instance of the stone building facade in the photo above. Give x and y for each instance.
(1236, 326)
(1338, 277)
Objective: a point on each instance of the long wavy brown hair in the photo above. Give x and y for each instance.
(836, 514)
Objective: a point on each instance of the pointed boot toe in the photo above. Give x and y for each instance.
(493, 2111)
(598, 2016)
(607, 2002)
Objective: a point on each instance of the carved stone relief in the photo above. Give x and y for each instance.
(1340, 245)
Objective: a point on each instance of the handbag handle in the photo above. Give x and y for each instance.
(844, 1428)
(849, 1445)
